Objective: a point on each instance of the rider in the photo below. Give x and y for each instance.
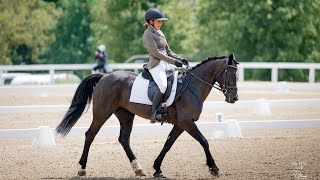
(160, 55)
(101, 58)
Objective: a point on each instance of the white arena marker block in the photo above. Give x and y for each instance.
(261, 107)
(283, 87)
(219, 134)
(233, 128)
(45, 137)
(43, 94)
(229, 128)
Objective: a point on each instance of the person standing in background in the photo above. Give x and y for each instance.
(101, 58)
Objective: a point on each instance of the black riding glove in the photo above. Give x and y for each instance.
(185, 61)
(178, 63)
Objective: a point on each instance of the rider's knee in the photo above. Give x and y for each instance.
(162, 88)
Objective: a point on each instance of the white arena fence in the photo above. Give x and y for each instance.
(52, 68)
(166, 128)
(217, 105)
(279, 87)
(44, 135)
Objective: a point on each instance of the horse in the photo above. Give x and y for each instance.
(110, 94)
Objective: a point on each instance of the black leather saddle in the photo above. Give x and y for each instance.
(153, 87)
(183, 81)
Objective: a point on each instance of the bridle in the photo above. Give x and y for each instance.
(225, 86)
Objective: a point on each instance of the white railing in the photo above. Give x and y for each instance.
(252, 87)
(51, 68)
(217, 105)
(151, 129)
(275, 66)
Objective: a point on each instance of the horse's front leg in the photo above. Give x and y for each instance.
(174, 134)
(192, 129)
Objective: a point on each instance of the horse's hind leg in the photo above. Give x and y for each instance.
(99, 118)
(174, 134)
(126, 121)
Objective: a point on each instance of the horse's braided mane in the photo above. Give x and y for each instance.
(209, 59)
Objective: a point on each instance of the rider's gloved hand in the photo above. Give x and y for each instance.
(185, 61)
(184, 66)
(178, 63)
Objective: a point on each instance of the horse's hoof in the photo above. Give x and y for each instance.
(215, 172)
(82, 172)
(137, 168)
(140, 173)
(158, 175)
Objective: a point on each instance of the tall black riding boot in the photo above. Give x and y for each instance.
(155, 104)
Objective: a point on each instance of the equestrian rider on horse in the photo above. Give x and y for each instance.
(160, 55)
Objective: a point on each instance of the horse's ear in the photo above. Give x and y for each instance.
(230, 59)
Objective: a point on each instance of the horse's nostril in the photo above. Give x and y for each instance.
(236, 98)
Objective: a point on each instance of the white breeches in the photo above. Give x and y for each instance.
(159, 75)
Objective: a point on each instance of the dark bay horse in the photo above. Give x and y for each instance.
(111, 92)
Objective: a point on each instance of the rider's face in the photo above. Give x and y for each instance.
(157, 24)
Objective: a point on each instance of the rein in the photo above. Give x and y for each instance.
(217, 86)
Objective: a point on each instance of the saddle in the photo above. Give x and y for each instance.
(152, 88)
(183, 81)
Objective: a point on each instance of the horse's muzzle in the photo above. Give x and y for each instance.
(231, 98)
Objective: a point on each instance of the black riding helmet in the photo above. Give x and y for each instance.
(154, 14)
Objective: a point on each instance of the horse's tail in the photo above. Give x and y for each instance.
(81, 98)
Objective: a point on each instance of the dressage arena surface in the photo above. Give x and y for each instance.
(261, 154)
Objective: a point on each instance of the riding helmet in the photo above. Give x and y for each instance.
(154, 14)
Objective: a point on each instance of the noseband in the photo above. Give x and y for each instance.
(225, 86)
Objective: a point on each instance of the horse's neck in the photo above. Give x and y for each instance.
(205, 72)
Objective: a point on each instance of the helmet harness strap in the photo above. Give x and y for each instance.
(152, 24)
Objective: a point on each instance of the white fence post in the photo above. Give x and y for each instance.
(312, 75)
(51, 72)
(241, 74)
(1, 77)
(274, 74)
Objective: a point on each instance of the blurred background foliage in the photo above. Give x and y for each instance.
(66, 32)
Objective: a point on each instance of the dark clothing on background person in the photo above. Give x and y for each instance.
(102, 64)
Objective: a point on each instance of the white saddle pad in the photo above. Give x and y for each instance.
(139, 91)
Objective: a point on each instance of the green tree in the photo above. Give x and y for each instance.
(268, 30)
(180, 28)
(24, 25)
(72, 43)
(119, 24)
